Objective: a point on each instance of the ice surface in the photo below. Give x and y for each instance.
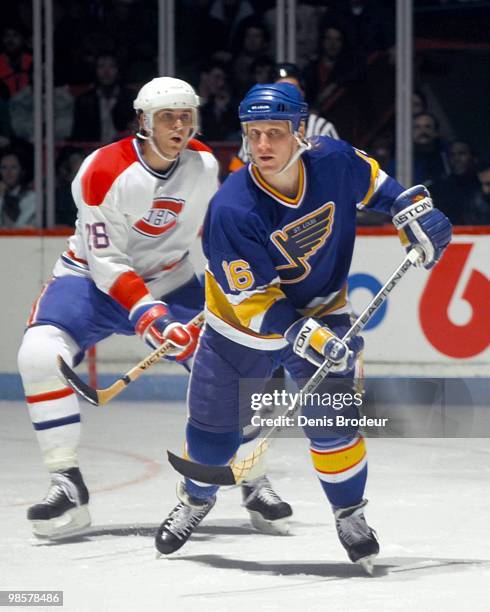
(429, 502)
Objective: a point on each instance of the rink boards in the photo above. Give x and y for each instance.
(436, 318)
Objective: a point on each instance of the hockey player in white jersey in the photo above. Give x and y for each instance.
(141, 204)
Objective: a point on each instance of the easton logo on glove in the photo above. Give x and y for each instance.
(420, 224)
(419, 208)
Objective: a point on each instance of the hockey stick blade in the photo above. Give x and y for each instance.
(76, 383)
(210, 474)
(237, 472)
(99, 397)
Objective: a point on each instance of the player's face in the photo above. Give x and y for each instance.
(172, 128)
(271, 145)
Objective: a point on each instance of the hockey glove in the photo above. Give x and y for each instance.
(420, 224)
(154, 324)
(316, 342)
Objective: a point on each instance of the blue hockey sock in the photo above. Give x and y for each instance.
(210, 448)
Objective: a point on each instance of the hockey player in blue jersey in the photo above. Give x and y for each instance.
(279, 237)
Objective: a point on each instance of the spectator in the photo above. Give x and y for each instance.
(17, 200)
(336, 65)
(307, 19)
(419, 103)
(67, 165)
(455, 194)
(22, 113)
(219, 119)
(15, 61)
(262, 69)
(253, 44)
(212, 79)
(94, 110)
(480, 214)
(308, 15)
(430, 158)
(381, 149)
(226, 18)
(125, 121)
(5, 121)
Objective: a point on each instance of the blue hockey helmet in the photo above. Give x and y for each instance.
(274, 102)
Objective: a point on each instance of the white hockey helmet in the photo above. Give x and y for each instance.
(166, 92)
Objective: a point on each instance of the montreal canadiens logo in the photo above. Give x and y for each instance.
(161, 218)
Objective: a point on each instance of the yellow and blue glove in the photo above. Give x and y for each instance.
(313, 340)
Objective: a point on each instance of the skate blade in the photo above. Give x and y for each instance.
(367, 564)
(278, 527)
(69, 524)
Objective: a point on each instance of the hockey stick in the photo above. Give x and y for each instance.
(99, 397)
(236, 472)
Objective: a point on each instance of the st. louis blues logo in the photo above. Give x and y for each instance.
(299, 240)
(161, 218)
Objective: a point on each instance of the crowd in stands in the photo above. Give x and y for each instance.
(105, 49)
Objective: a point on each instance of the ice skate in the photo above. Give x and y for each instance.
(64, 510)
(177, 528)
(355, 535)
(268, 513)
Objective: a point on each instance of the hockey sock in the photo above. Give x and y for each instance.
(341, 466)
(211, 448)
(53, 406)
(56, 419)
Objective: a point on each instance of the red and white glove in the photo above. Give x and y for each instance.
(154, 324)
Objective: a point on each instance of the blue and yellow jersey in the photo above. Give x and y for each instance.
(272, 258)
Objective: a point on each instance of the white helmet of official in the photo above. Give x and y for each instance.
(165, 92)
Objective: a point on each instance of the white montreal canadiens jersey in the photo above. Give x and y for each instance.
(135, 226)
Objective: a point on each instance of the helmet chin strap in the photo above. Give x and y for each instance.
(148, 124)
(157, 151)
(303, 145)
(149, 139)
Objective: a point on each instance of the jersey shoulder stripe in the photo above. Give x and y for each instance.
(106, 165)
(197, 145)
